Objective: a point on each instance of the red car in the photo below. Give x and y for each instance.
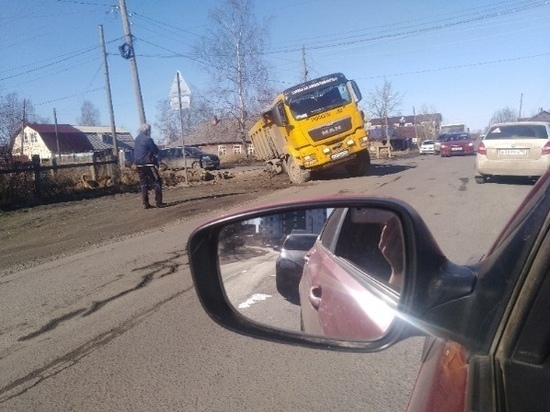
(344, 274)
(456, 144)
(486, 323)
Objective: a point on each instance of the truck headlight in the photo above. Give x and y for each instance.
(310, 159)
(350, 142)
(326, 150)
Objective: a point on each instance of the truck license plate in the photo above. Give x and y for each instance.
(339, 155)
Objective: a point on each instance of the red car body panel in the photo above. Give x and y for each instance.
(336, 304)
(442, 379)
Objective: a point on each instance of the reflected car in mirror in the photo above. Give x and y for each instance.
(352, 277)
(290, 263)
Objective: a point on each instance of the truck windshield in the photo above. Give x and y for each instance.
(318, 100)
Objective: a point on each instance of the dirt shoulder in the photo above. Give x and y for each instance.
(34, 235)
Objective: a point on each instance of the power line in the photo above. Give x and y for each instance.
(408, 31)
(174, 53)
(68, 97)
(60, 59)
(461, 66)
(413, 31)
(160, 23)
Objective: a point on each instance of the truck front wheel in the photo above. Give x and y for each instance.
(360, 165)
(296, 173)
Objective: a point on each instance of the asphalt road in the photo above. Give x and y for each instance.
(119, 327)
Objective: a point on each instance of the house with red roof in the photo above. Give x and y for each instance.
(50, 140)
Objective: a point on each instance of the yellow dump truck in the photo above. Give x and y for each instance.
(311, 126)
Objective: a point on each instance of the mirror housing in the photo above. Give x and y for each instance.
(278, 115)
(430, 279)
(355, 90)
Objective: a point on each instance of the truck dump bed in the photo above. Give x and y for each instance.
(268, 141)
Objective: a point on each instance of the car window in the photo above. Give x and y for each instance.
(456, 137)
(331, 231)
(192, 151)
(358, 244)
(517, 132)
(299, 242)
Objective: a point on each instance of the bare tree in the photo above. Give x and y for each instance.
(426, 122)
(89, 114)
(383, 102)
(13, 113)
(231, 53)
(503, 115)
(168, 121)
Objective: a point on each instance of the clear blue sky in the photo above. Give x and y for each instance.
(463, 59)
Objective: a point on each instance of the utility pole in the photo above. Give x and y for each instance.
(520, 105)
(180, 107)
(56, 133)
(23, 126)
(127, 51)
(108, 90)
(304, 64)
(415, 128)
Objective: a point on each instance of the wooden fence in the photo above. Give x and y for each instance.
(36, 182)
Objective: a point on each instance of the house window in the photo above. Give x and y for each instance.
(34, 138)
(107, 138)
(237, 148)
(26, 137)
(250, 149)
(221, 150)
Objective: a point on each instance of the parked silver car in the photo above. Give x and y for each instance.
(194, 157)
(514, 149)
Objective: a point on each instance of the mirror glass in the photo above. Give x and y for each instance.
(334, 273)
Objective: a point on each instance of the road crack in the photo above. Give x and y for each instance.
(32, 379)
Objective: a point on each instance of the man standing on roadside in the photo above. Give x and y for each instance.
(145, 159)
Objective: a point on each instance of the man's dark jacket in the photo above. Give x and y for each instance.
(145, 150)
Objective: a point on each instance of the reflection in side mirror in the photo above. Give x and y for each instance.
(338, 272)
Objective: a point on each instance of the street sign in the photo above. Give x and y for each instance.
(183, 94)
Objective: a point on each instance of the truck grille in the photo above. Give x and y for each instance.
(330, 129)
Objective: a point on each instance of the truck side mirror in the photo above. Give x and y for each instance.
(279, 115)
(355, 90)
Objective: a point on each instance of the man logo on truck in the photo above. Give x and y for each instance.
(330, 131)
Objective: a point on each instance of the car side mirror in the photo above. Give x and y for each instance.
(347, 275)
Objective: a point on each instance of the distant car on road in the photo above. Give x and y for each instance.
(194, 157)
(457, 144)
(437, 143)
(514, 149)
(290, 263)
(427, 146)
